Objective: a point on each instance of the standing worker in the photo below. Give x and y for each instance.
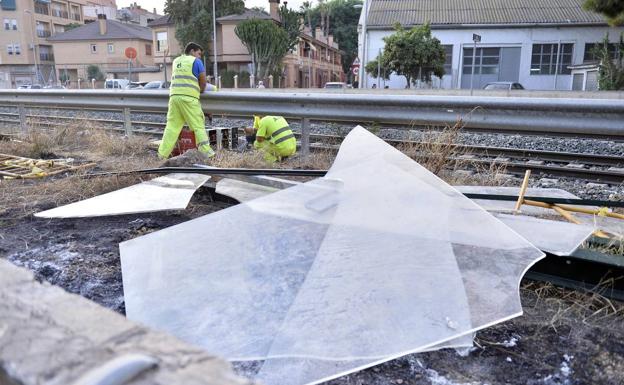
(188, 81)
(273, 137)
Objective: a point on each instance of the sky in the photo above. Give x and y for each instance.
(160, 4)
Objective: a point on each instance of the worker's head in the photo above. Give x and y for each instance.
(194, 49)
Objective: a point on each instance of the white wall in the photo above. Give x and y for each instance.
(502, 37)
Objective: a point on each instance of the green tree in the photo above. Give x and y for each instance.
(266, 42)
(94, 72)
(193, 18)
(71, 26)
(612, 9)
(340, 20)
(414, 53)
(379, 65)
(611, 73)
(289, 20)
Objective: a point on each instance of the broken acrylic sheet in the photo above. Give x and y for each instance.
(376, 260)
(170, 192)
(555, 237)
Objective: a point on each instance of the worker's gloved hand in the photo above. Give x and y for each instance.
(250, 135)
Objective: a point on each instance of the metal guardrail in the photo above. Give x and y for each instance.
(591, 117)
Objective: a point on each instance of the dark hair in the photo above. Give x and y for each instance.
(192, 47)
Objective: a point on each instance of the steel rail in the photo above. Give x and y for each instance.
(582, 116)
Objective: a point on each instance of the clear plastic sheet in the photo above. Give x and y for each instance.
(555, 237)
(376, 260)
(169, 192)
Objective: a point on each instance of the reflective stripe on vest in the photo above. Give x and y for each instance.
(183, 82)
(284, 138)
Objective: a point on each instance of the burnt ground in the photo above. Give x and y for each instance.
(565, 337)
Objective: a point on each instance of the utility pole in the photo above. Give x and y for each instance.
(363, 60)
(32, 39)
(475, 38)
(214, 40)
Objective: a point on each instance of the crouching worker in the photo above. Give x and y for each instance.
(188, 81)
(273, 137)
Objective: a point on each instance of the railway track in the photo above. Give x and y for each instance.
(589, 167)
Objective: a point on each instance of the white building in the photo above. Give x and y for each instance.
(529, 42)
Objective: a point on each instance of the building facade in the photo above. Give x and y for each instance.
(312, 63)
(104, 44)
(26, 56)
(535, 46)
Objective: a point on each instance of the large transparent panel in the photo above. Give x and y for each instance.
(378, 259)
(170, 192)
(555, 237)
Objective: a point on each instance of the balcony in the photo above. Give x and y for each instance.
(42, 9)
(43, 33)
(60, 13)
(45, 56)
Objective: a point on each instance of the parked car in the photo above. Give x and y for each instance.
(503, 86)
(336, 85)
(156, 85)
(54, 87)
(29, 87)
(136, 85)
(116, 83)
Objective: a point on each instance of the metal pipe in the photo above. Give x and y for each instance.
(214, 40)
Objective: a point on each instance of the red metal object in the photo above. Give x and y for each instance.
(186, 141)
(131, 53)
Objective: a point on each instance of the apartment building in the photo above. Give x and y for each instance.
(103, 44)
(26, 56)
(93, 8)
(137, 15)
(166, 46)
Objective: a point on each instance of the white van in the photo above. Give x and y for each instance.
(117, 83)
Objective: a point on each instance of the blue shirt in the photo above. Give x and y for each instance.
(198, 67)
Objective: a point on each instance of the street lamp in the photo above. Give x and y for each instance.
(32, 37)
(361, 77)
(214, 41)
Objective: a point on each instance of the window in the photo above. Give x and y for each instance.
(14, 24)
(486, 61)
(148, 49)
(545, 58)
(7, 24)
(111, 48)
(93, 48)
(448, 61)
(10, 49)
(161, 41)
(590, 48)
(17, 49)
(59, 28)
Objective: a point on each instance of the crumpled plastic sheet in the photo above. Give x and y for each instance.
(169, 192)
(376, 260)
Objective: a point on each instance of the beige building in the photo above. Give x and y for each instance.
(166, 46)
(137, 15)
(26, 57)
(312, 63)
(104, 43)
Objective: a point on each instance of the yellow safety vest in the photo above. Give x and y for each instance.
(183, 82)
(277, 130)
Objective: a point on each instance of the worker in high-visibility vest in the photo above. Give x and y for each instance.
(188, 81)
(273, 137)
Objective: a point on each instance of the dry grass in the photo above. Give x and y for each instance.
(82, 142)
(589, 306)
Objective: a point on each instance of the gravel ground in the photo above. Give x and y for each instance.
(580, 145)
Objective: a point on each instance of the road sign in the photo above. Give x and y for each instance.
(131, 53)
(356, 70)
(356, 62)
(476, 38)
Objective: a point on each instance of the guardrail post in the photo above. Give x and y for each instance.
(235, 81)
(305, 137)
(127, 121)
(270, 81)
(252, 81)
(22, 117)
(219, 81)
